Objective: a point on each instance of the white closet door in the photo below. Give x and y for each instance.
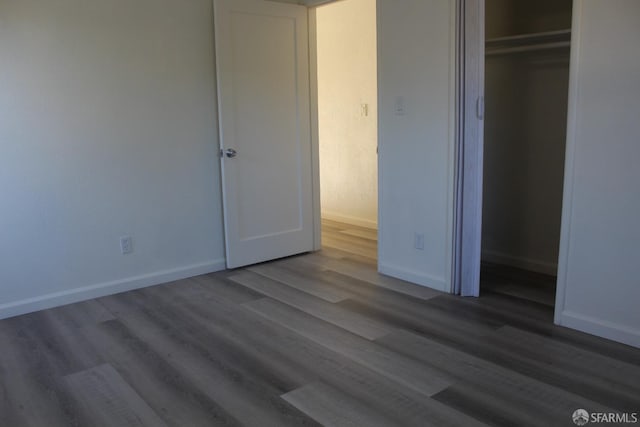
(468, 229)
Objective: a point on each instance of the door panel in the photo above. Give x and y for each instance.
(467, 254)
(263, 84)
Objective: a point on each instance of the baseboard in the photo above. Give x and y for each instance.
(598, 327)
(360, 222)
(416, 277)
(108, 288)
(529, 264)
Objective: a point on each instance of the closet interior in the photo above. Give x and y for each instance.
(526, 91)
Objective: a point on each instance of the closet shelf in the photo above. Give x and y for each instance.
(528, 42)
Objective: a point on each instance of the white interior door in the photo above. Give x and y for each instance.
(263, 101)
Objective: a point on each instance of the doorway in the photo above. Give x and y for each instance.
(345, 63)
(526, 94)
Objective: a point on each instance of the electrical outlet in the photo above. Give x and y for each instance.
(418, 241)
(126, 245)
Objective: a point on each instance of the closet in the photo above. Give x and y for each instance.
(526, 91)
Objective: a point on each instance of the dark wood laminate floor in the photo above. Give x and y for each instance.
(515, 282)
(317, 339)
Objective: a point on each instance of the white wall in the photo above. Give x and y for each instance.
(107, 128)
(347, 78)
(416, 62)
(599, 285)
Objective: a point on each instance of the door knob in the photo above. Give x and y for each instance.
(229, 152)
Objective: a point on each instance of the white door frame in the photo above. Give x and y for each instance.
(469, 149)
(315, 130)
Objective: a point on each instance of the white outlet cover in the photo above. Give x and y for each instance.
(126, 245)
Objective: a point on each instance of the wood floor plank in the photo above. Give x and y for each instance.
(308, 361)
(371, 388)
(534, 317)
(571, 358)
(490, 388)
(352, 322)
(109, 401)
(170, 393)
(32, 391)
(335, 253)
(524, 315)
(483, 406)
(198, 289)
(82, 314)
(618, 351)
(407, 314)
(520, 360)
(352, 239)
(370, 274)
(221, 341)
(228, 335)
(418, 377)
(304, 358)
(57, 341)
(331, 225)
(361, 248)
(203, 288)
(250, 401)
(333, 408)
(363, 233)
(219, 285)
(590, 374)
(513, 288)
(328, 253)
(300, 281)
(517, 275)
